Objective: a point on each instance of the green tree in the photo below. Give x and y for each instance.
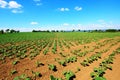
(7, 30)
(2, 32)
(79, 30)
(111, 30)
(73, 30)
(12, 31)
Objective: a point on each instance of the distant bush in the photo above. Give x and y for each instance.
(14, 31)
(1, 31)
(9, 31)
(111, 30)
(107, 30)
(40, 31)
(97, 30)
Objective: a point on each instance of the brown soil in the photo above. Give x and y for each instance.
(26, 66)
(115, 73)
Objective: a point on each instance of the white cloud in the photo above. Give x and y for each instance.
(16, 11)
(101, 26)
(63, 9)
(3, 4)
(103, 22)
(34, 23)
(37, 2)
(11, 5)
(14, 4)
(77, 8)
(61, 27)
(65, 24)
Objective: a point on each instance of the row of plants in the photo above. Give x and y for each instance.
(54, 49)
(79, 52)
(91, 59)
(21, 51)
(98, 73)
(69, 75)
(65, 44)
(86, 49)
(94, 57)
(67, 60)
(48, 47)
(25, 37)
(60, 45)
(105, 42)
(22, 48)
(26, 77)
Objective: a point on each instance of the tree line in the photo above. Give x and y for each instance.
(107, 30)
(9, 31)
(17, 31)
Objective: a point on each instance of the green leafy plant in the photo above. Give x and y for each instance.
(100, 71)
(62, 62)
(62, 54)
(78, 69)
(52, 67)
(93, 74)
(57, 59)
(36, 74)
(53, 78)
(15, 62)
(38, 63)
(91, 59)
(22, 77)
(23, 56)
(100, 78)
(84, 63)
(71, 59)
(45, 51)
(69, 75)
(13, 72)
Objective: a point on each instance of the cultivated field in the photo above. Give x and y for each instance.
(60, 56)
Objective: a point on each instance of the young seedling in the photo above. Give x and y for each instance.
(69, 75)
(45, 51)
(78, 69)
(52, 67)
(15, 62)
(62, 62)
(36, 74)
(38, 63)
(62, 54)
(22, 77)
(84, 64)
(53, 78)
(100, 78)
(13, 72)
(71, 59)
(56, 59)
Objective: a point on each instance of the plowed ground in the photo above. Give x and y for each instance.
(26, 65)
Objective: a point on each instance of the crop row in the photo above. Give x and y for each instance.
(98, 73)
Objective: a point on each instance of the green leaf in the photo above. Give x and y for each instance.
(100, 78)
(53, 78)
(16, 78)
(27, 79)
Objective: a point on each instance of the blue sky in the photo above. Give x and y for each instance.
(26, 15)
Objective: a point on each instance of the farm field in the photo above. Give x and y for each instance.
(60, 56)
